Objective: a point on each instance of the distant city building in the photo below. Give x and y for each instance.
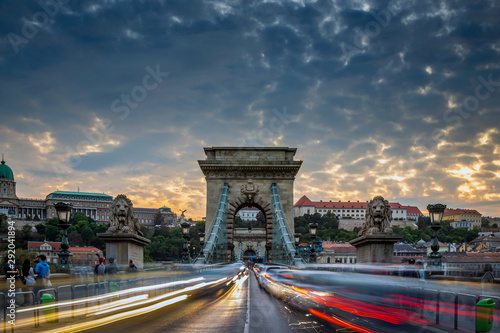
(85, 256)
(489, 232)
(462, 216)
(248, 213)
(351, 210)
(337, 253)
(93, 205)
(406, 250)
(491, 243)
(49, 249)
(470, 264)
(463, 224)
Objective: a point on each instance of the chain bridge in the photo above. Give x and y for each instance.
(240, 177)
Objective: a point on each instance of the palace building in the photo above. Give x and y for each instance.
(351, 209)
(93, 205)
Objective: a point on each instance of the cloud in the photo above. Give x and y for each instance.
(391, 109)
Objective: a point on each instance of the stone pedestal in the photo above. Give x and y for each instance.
(123, 247)
(378, 247)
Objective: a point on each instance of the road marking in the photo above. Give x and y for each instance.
(247, 321)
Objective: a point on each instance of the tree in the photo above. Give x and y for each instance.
(75, 239)
(158, 219)
(4, 227)
(51, 232)
(423, 222)
(26, 231)
(87, 234)
(261, 220)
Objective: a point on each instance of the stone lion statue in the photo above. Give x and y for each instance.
(121, 217)
(378, 217)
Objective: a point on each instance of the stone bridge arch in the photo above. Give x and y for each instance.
(250, 171)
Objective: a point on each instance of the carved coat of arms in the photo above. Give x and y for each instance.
(250, 190)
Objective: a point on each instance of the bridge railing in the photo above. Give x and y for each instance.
(450, 310)
(90, 293)
(217, 240)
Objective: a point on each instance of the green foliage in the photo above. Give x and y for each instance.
(328, 227)
(446, 234)
(82, 232)
(21, 255)
(26, 231)
(51, 232)
(4, 227)
(167, 243)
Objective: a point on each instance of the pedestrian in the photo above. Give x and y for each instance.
(28, 277)
(100, 268)
(402, 267)
(42, 270)
(112, 269)
(488, 278)
(421, 271)
(131, 266)
(411, 271)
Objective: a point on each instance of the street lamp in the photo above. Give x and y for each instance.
(202, 242)
(297, 240)
(185, 233)
(313, 228)
(436, 213)
(63, 211)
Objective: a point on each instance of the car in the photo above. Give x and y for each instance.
(266, 271)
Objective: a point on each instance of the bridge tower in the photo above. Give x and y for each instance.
(248, 175)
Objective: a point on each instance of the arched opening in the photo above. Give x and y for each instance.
(248, 254)
(249, 226)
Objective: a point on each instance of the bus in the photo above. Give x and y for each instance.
(256, 260)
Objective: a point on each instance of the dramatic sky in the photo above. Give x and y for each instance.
(397, 98)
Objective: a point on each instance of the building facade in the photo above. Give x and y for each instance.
(248, 213)
(49, 249)
(94, 205)
(462, 216)
(85, 256)
(350, 210)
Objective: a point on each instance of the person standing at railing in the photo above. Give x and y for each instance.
(42, 270)
(100, 269)
(28, 278)
(112, 270)
(488, 278)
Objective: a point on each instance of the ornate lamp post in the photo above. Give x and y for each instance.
(313, 227)
(436, 213)
(202, 242)
(185, 251)
(297, 241)
(63, 211)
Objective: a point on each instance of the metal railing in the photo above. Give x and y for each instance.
(283, 248)
(217, 240)
(75, 292)
(449, 310)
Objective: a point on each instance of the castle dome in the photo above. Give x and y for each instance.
(6, 171)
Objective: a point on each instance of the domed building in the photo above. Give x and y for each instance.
(8, 197)
(93, 205)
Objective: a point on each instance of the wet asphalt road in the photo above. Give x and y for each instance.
(247, 309)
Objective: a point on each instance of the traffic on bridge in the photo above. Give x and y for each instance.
(242, 297)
